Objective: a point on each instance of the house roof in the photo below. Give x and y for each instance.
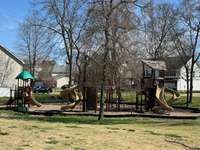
(59, 76)
(175, 63)
(155, 64)
(10, 54)
(59, 69)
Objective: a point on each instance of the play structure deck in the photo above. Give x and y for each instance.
(54, 109)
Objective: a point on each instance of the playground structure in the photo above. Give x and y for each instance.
(149, 99)
(22, 94)
(73, 95)
(152, 92)
(151, 96)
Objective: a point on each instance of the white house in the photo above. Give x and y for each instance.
(54, 73)
(10, 67)
(175, 76)
(59, 73)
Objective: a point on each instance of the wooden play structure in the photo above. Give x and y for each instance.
(21, 97)
(150, 97)
(152, 92)
(74, 96)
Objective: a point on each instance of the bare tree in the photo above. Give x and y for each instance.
(110, 23)
(158, 21)
(66, 19)
(35, 42)
(190, 21)
(182, 47)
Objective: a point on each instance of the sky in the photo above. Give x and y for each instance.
(12, 12)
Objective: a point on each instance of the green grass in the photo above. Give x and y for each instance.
(43, 98)
(3, 100)
(130, 96)
(195, 102)
(22, 131)
(47, 98)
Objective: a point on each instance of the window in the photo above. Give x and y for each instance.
(171, 73)
(147, 73)
(157, 73)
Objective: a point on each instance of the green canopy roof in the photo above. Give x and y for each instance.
(25, 75)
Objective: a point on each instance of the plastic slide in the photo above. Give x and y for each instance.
(33, 102)
(161, 100)
(71, 105)
(175, 94)
(71, 94)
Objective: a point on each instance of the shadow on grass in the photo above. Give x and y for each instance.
(93, 120)
(169, 135)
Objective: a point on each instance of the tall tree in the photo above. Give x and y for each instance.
(182, 47)
(110, 22)
(158, 21)
(67, 19)
(35, 42)
(190, 22)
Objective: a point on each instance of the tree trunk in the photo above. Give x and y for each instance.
(191, 83)
(101, 111)
(70, 72)
(84, 84)
(188, 86)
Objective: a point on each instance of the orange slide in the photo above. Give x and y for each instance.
(31, 101)
(160, 98)
(73, 94)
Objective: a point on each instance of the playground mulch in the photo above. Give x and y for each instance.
(53, 109)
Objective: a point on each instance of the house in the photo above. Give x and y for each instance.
(59, 73)
(27, 67)
(174, 72)
(10, 67)
(175, 76)
(50, 71)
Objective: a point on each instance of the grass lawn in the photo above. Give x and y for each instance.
(131, 96)
(195, 102)
(47, 98)
(19, 131)
(43, 98)
(3, 100)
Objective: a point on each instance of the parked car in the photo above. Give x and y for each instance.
(42, 89)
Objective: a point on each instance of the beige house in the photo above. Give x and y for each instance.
(10, 67)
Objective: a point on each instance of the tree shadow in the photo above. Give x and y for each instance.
(75, 119)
